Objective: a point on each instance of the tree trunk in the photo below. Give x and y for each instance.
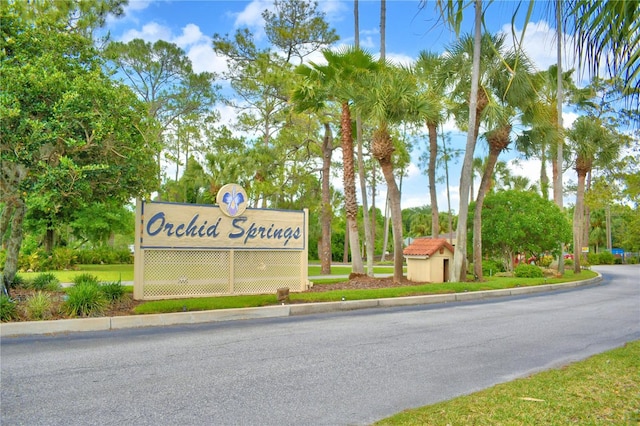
(477, 215)
(368, 239)
(373, 208)
(49, 240)
(13, 245)
(557, 182)
(382, 151)
(385, 241)
(586, 222)
(327, 214)
(383, 29)
(396, 219)
(350, 199)
(459, 267)
(446, 176)
(498, 142)
(433, 153)
(544, 178)
(608, 225)
(578, 218)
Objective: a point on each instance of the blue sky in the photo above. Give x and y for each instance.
(409, 30)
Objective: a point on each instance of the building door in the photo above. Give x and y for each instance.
(445, 271)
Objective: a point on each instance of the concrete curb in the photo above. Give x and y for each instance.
(154, 320)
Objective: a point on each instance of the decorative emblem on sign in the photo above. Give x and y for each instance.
(232, 199)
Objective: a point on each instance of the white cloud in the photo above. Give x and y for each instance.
(568, 118)
(204, 59)
(251, 17)
(413, 171)
(150, 32)
(400, 59)
(528, 168)
(191, 34)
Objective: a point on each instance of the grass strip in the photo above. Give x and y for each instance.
(603, 389)
(125, 272)
(248, 301)
(205, 304)
(108, 273)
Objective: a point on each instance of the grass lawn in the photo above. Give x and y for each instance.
(226, 302)
(603, 389)
(110, 273)
(125, 272)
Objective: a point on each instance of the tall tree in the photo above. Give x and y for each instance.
(161, 75)
(298, 29)
(428, 69)
(541, 116)
(535, 225)
(263, 78)
(313, 95)
(452, 14)
(591, 141)
(506, 91)
(387, 97)
(69, 133)
(369, 226)
(337, 77)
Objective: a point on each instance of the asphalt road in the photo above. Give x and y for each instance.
(331, 369)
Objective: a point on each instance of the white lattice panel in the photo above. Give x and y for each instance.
(194, 273)
(265, 271)
(185, 273)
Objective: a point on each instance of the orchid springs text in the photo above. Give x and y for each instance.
(159, 225)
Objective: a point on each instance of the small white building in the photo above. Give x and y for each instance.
(428, 260)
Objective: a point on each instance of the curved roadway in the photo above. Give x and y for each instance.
(328, 369)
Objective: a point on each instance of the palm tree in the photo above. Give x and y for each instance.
(591, 142)
(428, 69)
(452, 13)
(609, 31)
(502, 81)
(541, 115)
(338, 79)
(389, 96)
(369, 226)
(510, 90)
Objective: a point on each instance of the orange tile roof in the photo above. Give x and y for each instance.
(426, 246)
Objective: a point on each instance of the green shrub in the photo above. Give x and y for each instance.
(85, 300)
(113, 291)
(8, 310)
(528, 271)
(45, 281)
(633, 260)
(85, 278)
(19, 281)
(38, 306)
(546, 261)
(568, 262)
(602, 258)
(606, 258)
(62, 258)
(103, 255)
(491, 267)
(35, 261)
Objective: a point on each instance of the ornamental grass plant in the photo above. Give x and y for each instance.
(37, 307)
(85, 300)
